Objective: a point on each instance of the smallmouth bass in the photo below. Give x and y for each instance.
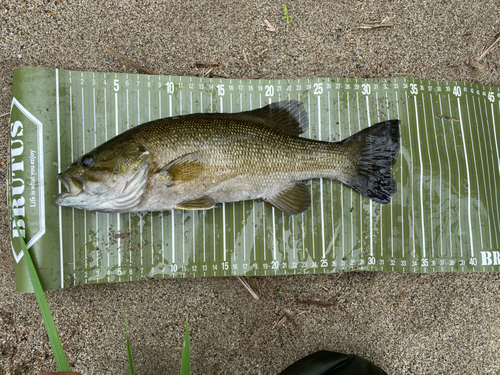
(195, 161)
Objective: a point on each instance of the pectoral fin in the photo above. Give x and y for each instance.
(203, 203)
(292, 200)
(183, 169)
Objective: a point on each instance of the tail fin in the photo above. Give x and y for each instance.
(377, 149)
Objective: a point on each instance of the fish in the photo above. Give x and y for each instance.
(197, 161)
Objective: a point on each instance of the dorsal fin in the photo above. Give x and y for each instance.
(288, 115)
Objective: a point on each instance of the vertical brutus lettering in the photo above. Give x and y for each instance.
(17, 183)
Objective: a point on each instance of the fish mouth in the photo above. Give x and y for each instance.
(73, 184)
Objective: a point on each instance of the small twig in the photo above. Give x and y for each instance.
(4, 114)
(281, 321)
(269, 26)
(387, 18)
(222, 74)
(250, 290)
(147, 71)
(373, 25)
(288, 315)
(208, 72)
(490, 48)
(219, 75)
(475, 64)
(206, 64)
(244, 56)
(317, 303)
(447, 118)
(264, 50)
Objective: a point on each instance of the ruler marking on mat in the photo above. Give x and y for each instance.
(419, 143)
(449, 175)
(469, 187)
(458, 178)
(497, 157)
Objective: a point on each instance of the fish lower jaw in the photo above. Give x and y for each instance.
(60, 199)
(65, 199)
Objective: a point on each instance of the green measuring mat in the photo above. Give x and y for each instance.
(445, 215)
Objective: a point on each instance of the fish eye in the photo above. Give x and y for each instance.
(87, 161)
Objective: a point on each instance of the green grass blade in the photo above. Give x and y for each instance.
(129, 350)
(55, 342)
(185, 362)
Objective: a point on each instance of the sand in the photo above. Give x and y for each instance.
(406, 324)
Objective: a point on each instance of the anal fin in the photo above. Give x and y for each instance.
(292, 200)
(203, 203)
